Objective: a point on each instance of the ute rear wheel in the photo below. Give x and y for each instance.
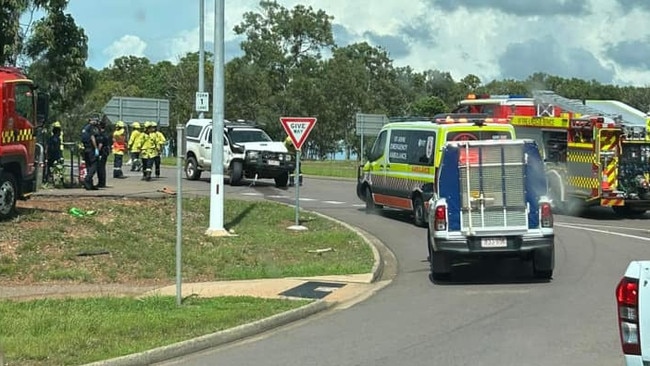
(8, 195)
(192, 171)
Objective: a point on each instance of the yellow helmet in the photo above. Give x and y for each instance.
(119, 124)
(56, 124)
(136, 125)
(147, 124)
(153, 124)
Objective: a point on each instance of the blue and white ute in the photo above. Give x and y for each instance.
(490, 200)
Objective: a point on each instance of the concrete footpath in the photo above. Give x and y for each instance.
(328, 292)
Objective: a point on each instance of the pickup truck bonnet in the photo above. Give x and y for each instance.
(492, 187)
(273, 146)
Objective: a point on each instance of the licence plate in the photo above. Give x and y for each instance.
(274, 162)
(494, 243)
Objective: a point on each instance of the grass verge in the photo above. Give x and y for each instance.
(133, 241)
(77, 331)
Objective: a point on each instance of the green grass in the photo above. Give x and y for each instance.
(330, 168)
(78, 331)
(322, 168)
(43, 243)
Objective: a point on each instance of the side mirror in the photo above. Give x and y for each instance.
(42, 108)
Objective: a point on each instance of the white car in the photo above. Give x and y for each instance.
(248, 152)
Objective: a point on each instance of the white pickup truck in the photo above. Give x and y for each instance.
(248, 152)
(633, 295)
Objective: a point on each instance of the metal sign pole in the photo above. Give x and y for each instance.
(179, 211)
(296, 182)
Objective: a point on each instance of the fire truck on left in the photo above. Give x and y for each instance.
(23, 110)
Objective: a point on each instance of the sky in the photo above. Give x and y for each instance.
(605, 40)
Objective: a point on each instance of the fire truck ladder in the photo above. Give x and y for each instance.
(551, 99)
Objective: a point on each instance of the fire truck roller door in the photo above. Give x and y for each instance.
(580, 165)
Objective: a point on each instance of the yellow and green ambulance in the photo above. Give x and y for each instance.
(401, 166)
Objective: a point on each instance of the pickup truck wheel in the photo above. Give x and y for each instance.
(440, 266)
(418, 211)
(543, 262)
(192, 171)
(237, 173)
(282, 180)
(8, 195)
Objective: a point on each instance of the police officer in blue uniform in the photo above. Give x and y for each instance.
(89, 135)
(104, 145)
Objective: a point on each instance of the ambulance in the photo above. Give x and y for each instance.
(400, 169)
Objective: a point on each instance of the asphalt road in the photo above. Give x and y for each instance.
(489, 314)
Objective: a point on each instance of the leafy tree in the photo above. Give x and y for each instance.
(429, 106)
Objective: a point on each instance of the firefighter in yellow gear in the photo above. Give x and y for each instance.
(57, 124)
(160, 140)
(147, 144)
(119, 149)
(136, 163)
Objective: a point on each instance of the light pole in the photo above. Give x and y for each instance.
(217, 190)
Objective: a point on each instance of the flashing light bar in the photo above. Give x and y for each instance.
(495, 96)
(450, 120)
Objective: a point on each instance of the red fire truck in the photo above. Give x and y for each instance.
(592, 158)
(22, 110)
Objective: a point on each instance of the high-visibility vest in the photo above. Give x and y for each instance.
(119, 142)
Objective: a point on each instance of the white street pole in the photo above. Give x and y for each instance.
(179, 211)
(216, 177)
(201, 49)
(296, 182)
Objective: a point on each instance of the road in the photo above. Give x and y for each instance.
(489, 314)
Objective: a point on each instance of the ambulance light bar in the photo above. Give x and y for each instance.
(495, 96)
(477, 121)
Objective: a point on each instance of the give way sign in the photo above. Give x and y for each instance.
(298, 128)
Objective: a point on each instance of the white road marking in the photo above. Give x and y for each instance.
(603, 232)
(251, 194)
(605, 226)
(307, 199)
(358, 205)
(277, 196)
(334, 202)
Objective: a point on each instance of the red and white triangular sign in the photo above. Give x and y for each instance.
(298, 128)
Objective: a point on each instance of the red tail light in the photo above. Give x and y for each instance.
(546, 214)
(440, 222)
(627, 298)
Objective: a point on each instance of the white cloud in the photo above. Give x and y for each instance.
(126, 46)
(461, 39)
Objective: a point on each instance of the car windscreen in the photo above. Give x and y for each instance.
(478, 135)
(243, 136)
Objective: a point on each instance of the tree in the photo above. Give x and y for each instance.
(429, 106)
(58, 49)
(282, 51)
